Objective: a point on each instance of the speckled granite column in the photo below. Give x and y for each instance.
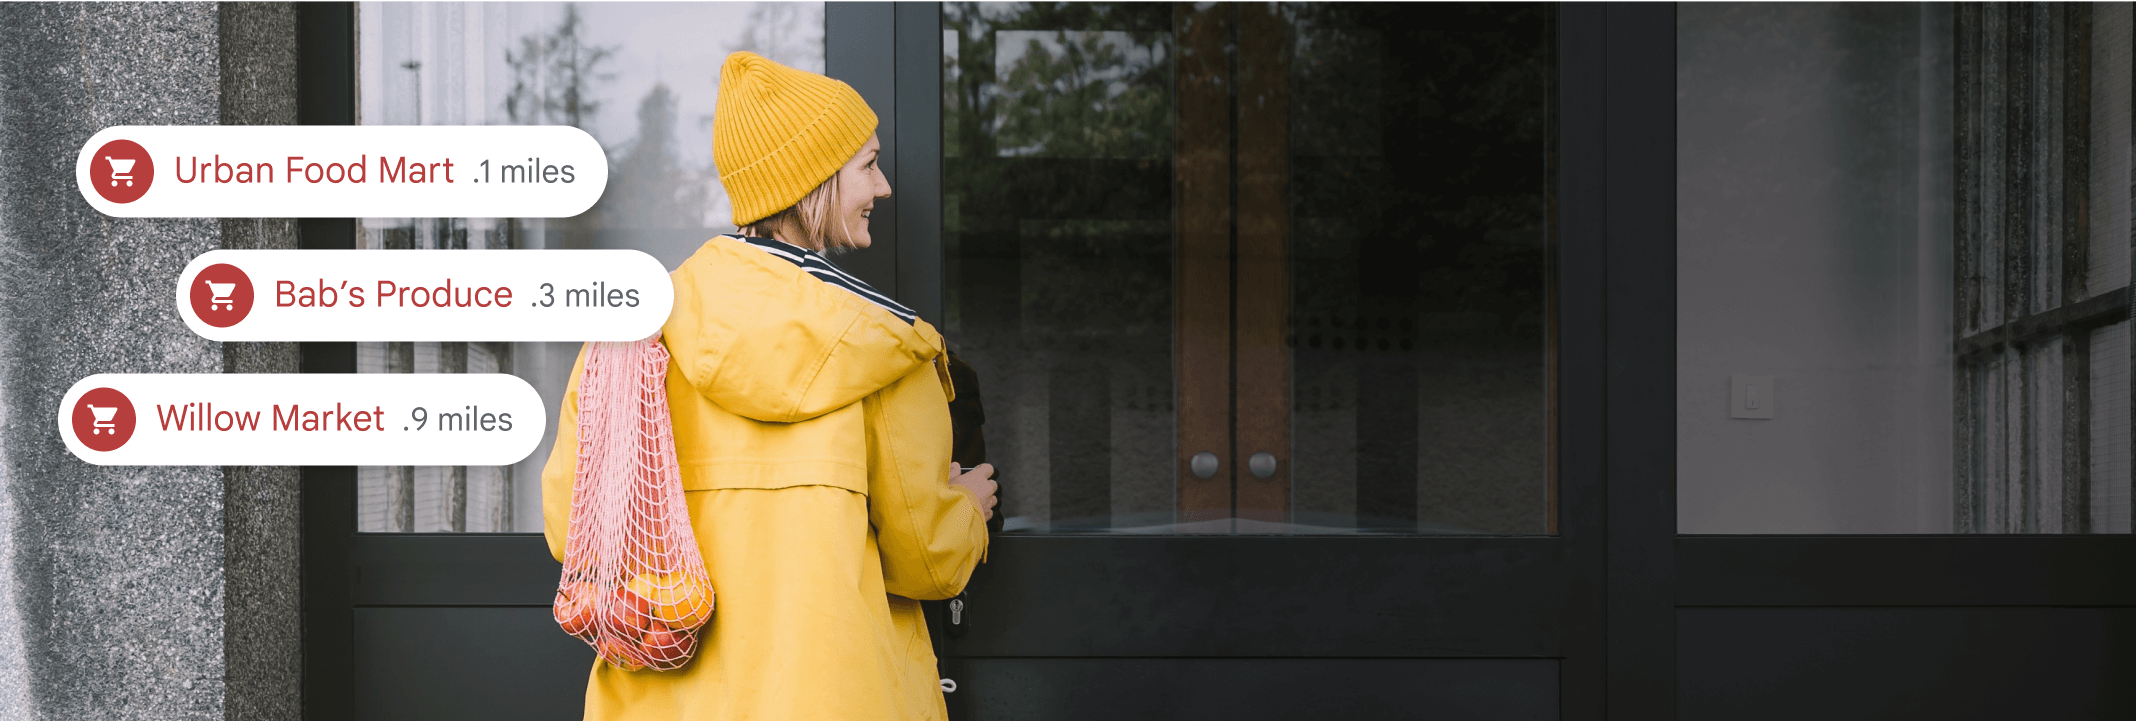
(130, 593)
(263, 653)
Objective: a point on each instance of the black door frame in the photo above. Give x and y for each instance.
(326, 91)
(1632, 188)
(1537, 597)
(1604, 597)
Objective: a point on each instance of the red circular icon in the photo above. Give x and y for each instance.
(103, 419)
(121, 171)
(221, 295)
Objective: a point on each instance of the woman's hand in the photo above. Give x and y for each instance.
(979, 483)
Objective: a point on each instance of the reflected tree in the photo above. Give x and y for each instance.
(788, 33)
(1058, 170)
(553, 79)
(1116, 63)
(553, 75)
(1084, 94)
(648, 185)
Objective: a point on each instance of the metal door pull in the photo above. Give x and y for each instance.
(1203, 464)
(1262, 464)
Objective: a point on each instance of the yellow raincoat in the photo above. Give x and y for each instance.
(814, 437)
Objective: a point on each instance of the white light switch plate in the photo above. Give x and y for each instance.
(1751, 397)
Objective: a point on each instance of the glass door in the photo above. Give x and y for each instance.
(1261, 300)
(1254, 269)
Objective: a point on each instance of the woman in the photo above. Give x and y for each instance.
(811, 422)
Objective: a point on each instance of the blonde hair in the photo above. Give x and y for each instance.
(808, 220)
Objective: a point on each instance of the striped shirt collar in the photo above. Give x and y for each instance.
(815, 264)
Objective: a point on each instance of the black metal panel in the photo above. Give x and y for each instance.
(918, 185)
(326, 95)
(1640, 87)
(1267, 596)
(328, 501)
(326, 63)
(859, 47)
(1182, 689)
(454, 569)
(453, 664)
(1905, 571)
(1837, 664)
(1582, 352)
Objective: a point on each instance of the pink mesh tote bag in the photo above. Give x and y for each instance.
(633, 586)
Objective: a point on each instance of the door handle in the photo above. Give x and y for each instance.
(1203, 464)
(1262, 464)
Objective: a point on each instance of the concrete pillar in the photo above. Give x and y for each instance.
(148, 592)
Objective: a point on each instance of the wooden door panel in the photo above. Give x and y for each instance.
(1263, 308)
(1202, 286)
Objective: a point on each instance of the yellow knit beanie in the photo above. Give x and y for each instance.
(777, 133)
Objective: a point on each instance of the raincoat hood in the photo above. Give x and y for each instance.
(767, 341)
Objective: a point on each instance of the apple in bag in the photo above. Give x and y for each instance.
(666, 647)
(627, 615)
(574, 608)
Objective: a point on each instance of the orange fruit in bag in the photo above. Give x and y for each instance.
(676, 599)
(618, 651)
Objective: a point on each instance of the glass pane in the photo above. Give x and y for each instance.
(1058, 233)
(1312, 231)
(1902, 268)
(642, 78)
(1419, 183)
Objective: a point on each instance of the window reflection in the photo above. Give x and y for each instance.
(1419, 184)
(642, 79)
(1400, 381)
(1057, 225)
(1082, 94)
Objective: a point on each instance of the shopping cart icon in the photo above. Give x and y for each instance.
(121, 169)
(104, 422)
(221, 293)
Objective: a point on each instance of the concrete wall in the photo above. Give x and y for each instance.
(1814, 245)
(147, 592)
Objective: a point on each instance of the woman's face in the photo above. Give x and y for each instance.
(860, 184)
